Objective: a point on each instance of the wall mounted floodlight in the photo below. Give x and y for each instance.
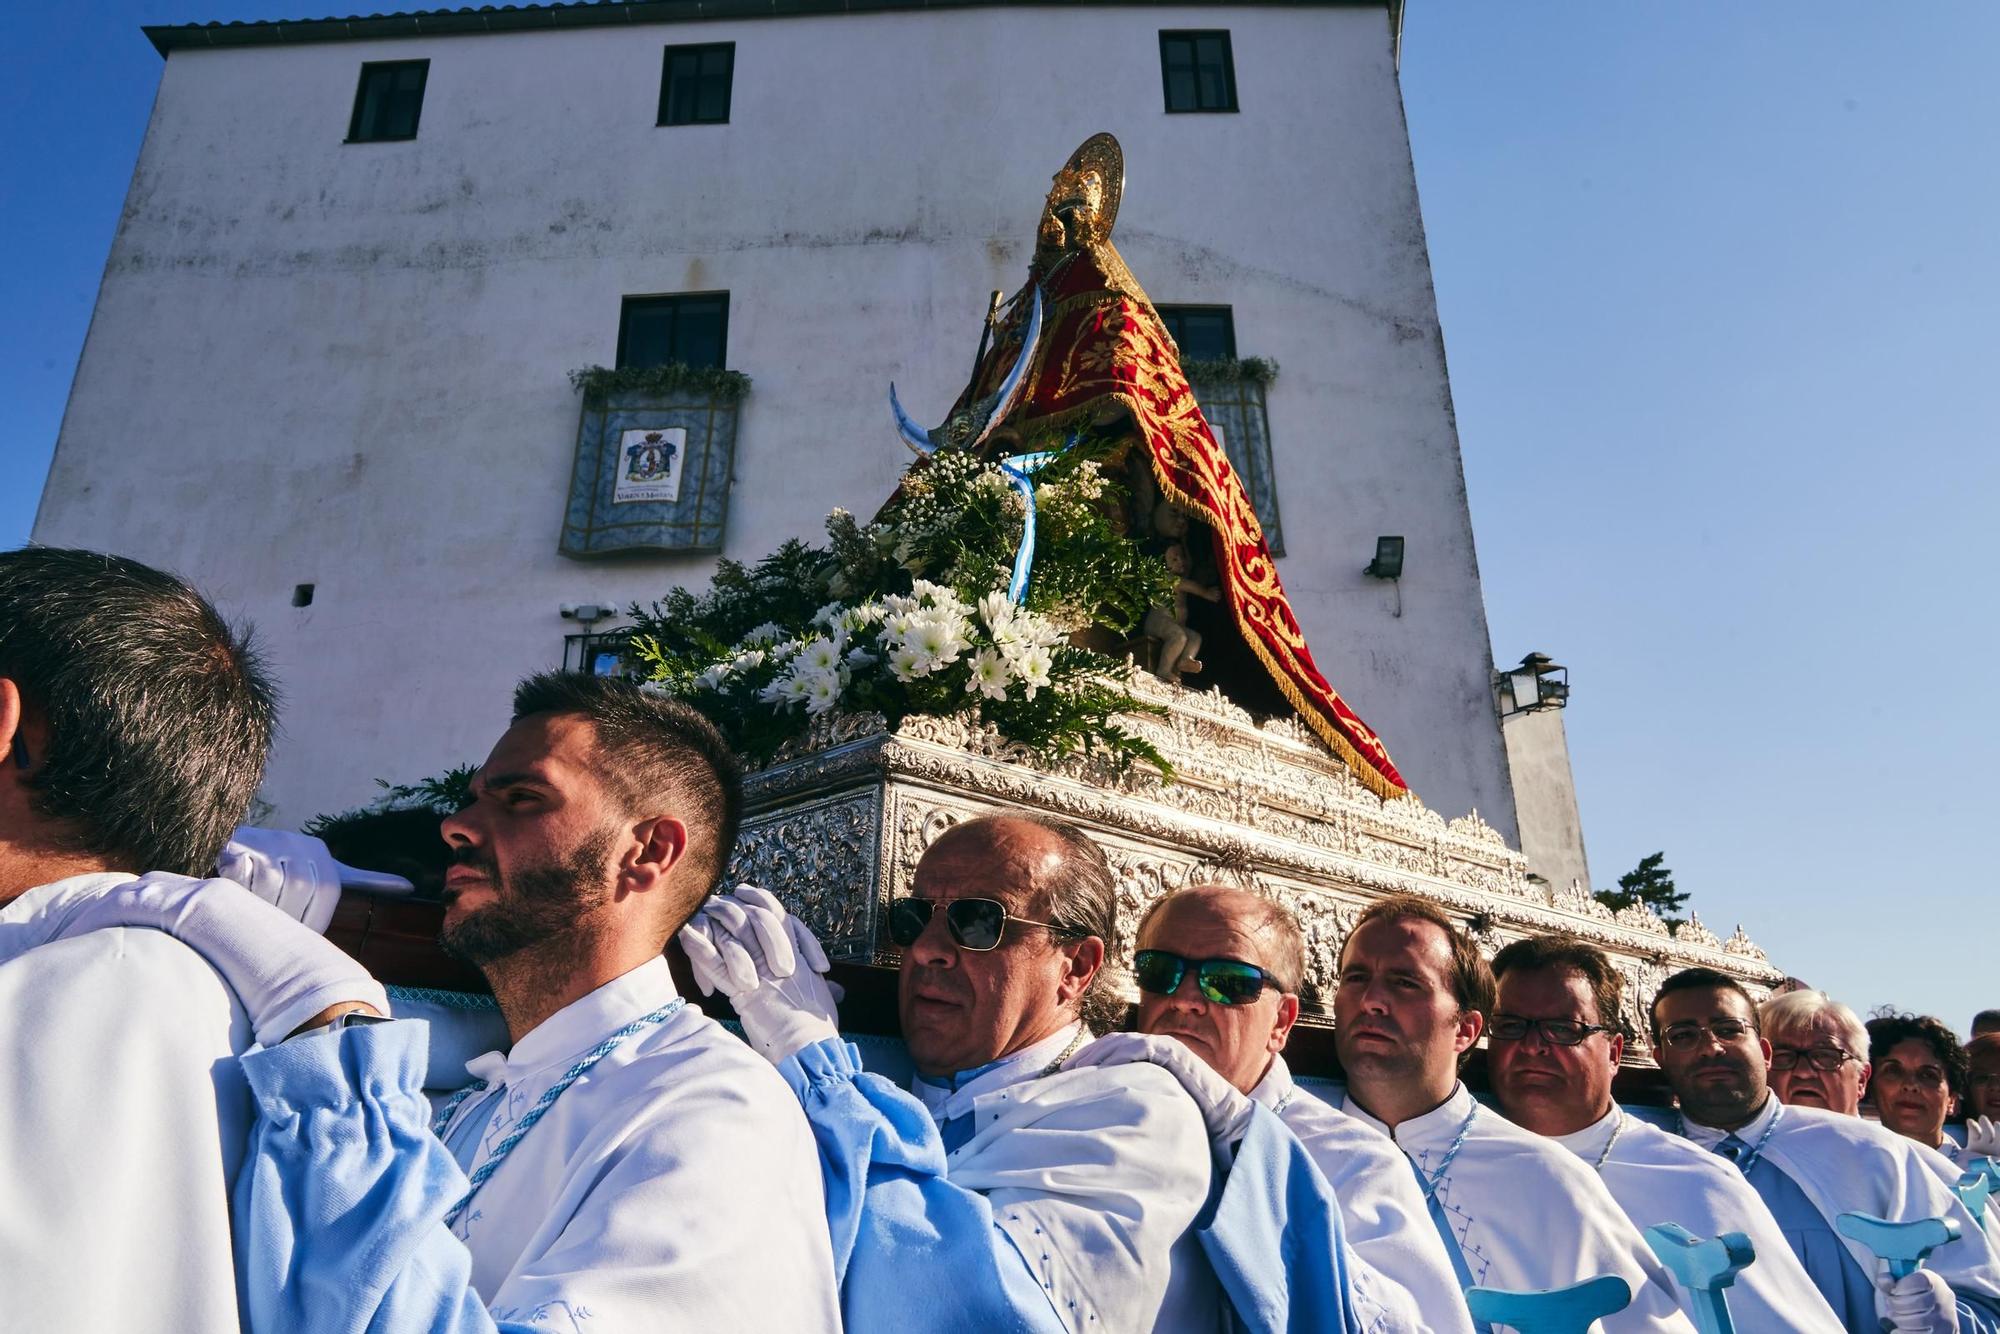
(1388, 562)
(1538, 683)
(584, 613)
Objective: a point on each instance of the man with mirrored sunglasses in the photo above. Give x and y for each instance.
(1811, 1165)
(1016, 1185)
(1218, 970)
(1554, 1044)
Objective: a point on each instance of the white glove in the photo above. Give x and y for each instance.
(1982, 1137)
(1224, 1108)
(295, 874)
(283, 973)
(746, 946)
(1920, 1302)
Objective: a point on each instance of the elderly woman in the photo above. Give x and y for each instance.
(1920, 1068)
(1819, 1051)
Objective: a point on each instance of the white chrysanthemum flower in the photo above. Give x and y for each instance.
(896, 626)
(906, 664)
(770, 632)
(996, 609)
(820, 655)
(820, 690)
(748, 660)
(1031, 667)
(858, 658)
(653, 688)
(785, 650)
(828, 614)
(860, 617)
(939, 638)
(990, 676)
(712, 678)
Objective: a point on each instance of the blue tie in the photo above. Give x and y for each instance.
(1733, 1149)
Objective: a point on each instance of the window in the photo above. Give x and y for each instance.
(388, 102)
(1197, 70)
(654, 330)
(694, 84)
(1204, 333)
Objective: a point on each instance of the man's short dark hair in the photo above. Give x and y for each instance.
(1570, 955)
(656, 750)
(1471, 978)
(159, 715)
(1696, 979)
(1986, 1021)
(1885, 1031)
(1082, 897)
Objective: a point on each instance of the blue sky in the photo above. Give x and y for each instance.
(1718, 286)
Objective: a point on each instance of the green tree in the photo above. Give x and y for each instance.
(1650, 883)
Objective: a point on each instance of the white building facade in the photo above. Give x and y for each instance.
(327, 374)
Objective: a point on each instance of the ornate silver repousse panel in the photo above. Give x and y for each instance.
(822, 857)
(839, 821)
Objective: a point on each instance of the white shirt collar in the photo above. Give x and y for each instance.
(953, 1095)
(1275, 1089)
(582, 1024)
(1710, 1136)
(1590, 1142)
(38, 915)
(1442, 1121)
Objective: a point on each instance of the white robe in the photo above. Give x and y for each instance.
(1529, 1216)
(1382, 1210)
(676, 1181)
(1846, 1164)
(1095, 1175)
(123, 1121)
(1661, 1178)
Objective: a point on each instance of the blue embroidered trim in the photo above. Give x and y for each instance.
(542, 1105)
(451, 1000)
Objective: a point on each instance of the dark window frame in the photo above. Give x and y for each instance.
(675, 301)
(1174, 317)
(1193, 37)
(698, 50)
(390, 67)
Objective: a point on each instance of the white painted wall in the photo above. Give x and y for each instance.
(344, 364)
(1545, 797)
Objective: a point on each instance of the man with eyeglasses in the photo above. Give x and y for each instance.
(1019, 1185)
(1218, 970)
(1514, 1211)
(1553, 1045)
(1819, 1051)
(1811, 1165)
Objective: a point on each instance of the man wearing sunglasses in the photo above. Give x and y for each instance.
(1515, 1211)
(996, 1192)
(1553, 1045)
(1027, 1180)
(1218, 969)
(1811, 1165)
